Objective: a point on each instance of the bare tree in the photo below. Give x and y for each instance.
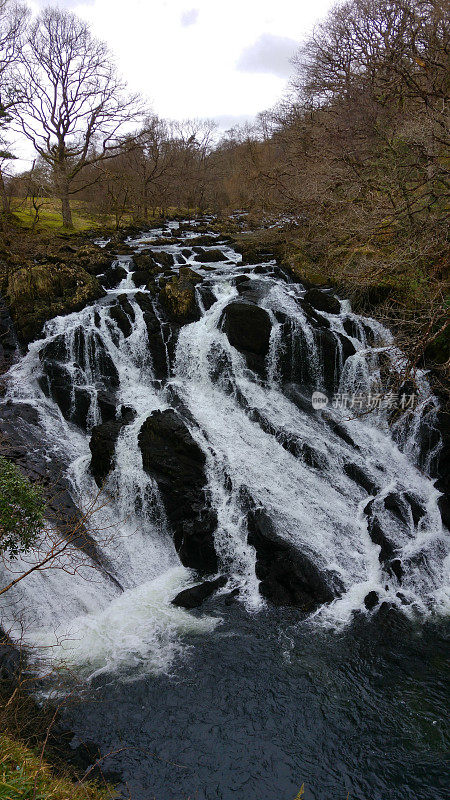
(13, 20)
(74, 104)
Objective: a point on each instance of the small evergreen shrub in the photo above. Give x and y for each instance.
(22, 507)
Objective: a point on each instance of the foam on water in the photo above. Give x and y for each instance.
(96, 626)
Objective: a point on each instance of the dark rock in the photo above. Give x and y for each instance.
(208, 256)
(314, 318)
(173, 458)
(164, 259)
(187, 272)
(328, 343)
(379, 537)
(252, 290)
(196, 595)
(197, 242)
(230, 597)
(360, 477)
(301, 401)
(107, 404)
(57, 384)
(417, 510)
(371, 600)
(118, 314)
(127, 307)
(178, 300)
(155, 336)
(102, 446)
(141, 278)
(248, 329)
(207, 297)
(393, 503)
(395, 567)
(323, 301)
(145, 262)
(340, 431)
(12, 661)
(113, 276)
(8, 339)
(287, 576)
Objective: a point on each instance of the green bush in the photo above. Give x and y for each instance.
(22, 507)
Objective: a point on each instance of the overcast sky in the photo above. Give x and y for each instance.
(221, 59)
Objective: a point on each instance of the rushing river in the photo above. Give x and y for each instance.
(239, 698)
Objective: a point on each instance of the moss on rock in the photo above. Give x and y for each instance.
(37, 293)
(178, 299)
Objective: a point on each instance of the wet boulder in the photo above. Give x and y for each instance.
(145, 262)
(387, 555)
(208, 256)
(253, 290)
(197, 242)
(417, 509)
(93, 258)
(113, 276)
(287, 576)
(141, 278)
(196, 595)
(37, 293)
(117, 313)
(155, 335)
(164, 259)
(57, 382)
(176, 462)
(371, 600)
(178, 300)
(334, 349)
(248, 328)
(90, 352)
(190, 275)
(323, 301)
(103, 445)
(360, 477)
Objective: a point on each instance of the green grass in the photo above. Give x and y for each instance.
(50, 217)
(24, 776)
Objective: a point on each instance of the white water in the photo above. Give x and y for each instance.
(84, 620)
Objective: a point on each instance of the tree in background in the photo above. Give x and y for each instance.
(13, 21)
(74, 107)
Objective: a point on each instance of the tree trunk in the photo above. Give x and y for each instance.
(66, 210)
(6, 199)
(63, 191)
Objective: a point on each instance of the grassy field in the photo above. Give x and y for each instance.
(50, 218)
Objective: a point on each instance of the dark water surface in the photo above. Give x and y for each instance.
(264, 705)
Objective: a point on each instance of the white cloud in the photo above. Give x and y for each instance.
(197, 75)
(189, 17)
(269, 54)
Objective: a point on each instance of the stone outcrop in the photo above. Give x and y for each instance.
(287, 576)
(248, 329)
(176, 462)
(178, 300)
(196, 595)
(36, 294)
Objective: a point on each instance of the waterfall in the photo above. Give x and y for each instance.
(328, 480)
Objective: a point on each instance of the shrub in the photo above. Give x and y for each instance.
(22, 507)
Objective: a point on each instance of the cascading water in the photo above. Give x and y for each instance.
(262, 440)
